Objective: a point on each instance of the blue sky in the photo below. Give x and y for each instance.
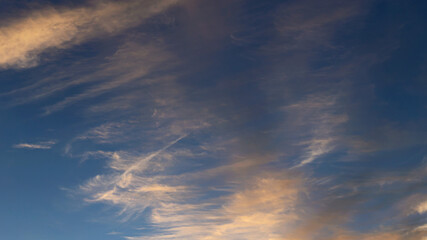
(197, 119)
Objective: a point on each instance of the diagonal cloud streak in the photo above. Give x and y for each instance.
(23, 41)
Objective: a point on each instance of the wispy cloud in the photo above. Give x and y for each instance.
(308, 24)
(372, 236)
(319, 118)
(133, 68)
(235, 195)
(209, 158)
(23, 40)
(264, 210)
(40, 145)
(148, 63)
(421, 207)
(262, 206)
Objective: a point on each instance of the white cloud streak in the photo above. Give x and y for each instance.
(318, 115)
(41, 145)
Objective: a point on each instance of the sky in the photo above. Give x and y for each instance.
(212, 120)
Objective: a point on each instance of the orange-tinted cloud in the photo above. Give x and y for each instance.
(23, 40)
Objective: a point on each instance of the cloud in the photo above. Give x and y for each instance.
(41, 145)
(421, 228)
(23, 40)
(260, 207)
(222, 191)
(372, 236)
(308, 24)
(148, 63)
(197, 204)
(182, 155)
(135, 66)
(106, 133)
(422, 207)
(127, 186)
(319, 119)
(260, 210)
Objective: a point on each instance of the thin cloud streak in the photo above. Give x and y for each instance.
(133, 66)
(41, 145)
(320, 114)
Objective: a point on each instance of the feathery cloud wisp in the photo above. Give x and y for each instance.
(23, 40)
(41, 145)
